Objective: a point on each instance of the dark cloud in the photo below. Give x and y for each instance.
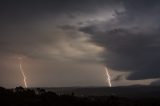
(157, 83)
(119, 77)
(29, 26)
(28, 10)
(131, 39)
(67, 27)
(63, 32)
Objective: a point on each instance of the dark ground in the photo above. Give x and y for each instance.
(40, 97)
(134, 91)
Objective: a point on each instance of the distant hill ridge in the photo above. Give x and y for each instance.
(125, 91)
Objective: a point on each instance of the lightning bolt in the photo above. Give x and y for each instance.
(108, 77)
(22, 72)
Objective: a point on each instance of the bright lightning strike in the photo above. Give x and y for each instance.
(108, 77)
(22, 72)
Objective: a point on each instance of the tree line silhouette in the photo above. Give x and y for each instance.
(39, 97)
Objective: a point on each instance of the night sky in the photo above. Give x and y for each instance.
(69, 42)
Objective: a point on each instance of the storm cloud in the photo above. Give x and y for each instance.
(131, 39)
(63, 41)
(38, 30)
(155, 83)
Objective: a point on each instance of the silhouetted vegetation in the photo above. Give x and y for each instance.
(39, 97)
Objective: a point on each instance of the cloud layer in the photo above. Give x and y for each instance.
(131, 40)
(82, 35)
